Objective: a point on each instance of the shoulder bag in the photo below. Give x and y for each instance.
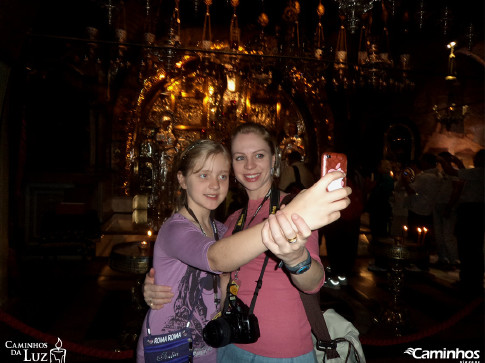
(336, 339)
(173, 347)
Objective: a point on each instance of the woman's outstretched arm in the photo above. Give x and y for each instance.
(316, 206)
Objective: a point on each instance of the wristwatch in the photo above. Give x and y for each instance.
(301, 267)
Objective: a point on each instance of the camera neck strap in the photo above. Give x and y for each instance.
(213, 224)
(217, 300)
(216, 237)
(274, 197)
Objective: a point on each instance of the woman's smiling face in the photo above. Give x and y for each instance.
(252, 162)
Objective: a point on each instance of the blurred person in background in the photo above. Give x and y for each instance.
(470, 221)
(444, 215)
(379, 208)
(295, 176)
(421, 198)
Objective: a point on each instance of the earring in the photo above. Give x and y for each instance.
(272, 171)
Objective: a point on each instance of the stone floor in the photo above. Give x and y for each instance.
(93, 309)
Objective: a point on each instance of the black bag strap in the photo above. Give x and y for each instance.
(311, 302)
(297, 177)
(319, 327)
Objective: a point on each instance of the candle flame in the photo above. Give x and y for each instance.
(425, 229)
(58, 344)
(231, 83)
(419, 230)
(149, 233)
(405, 228)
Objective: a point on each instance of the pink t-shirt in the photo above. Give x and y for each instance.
(285, 331)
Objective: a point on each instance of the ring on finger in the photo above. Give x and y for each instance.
(291, 240)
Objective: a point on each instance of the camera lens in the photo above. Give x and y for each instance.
(217, 333)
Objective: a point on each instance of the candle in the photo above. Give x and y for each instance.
(172, 99)
(143, 248)
(451, 63)
(420, 231)
(425, 230)
(231, 82)
(58, 354)
(404, 232)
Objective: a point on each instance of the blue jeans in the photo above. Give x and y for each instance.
(232, 354)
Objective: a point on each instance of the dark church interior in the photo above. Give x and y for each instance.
(97, 97)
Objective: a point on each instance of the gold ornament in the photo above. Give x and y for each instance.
(320, 9)
(234, 3)
(290, 15)
(208, 2)
(263, 19)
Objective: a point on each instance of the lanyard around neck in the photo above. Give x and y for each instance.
(213, 224)
(216, 237)
(274, 204)
(274, 193)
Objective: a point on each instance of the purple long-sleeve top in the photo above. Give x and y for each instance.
(180, 260)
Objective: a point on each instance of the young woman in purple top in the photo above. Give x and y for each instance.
(284, 337)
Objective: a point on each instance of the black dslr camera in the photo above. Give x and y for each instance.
(235, 325)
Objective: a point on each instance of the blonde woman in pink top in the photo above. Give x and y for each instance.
(285, 334)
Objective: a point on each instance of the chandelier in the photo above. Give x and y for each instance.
(353, 10)
(451, 115)
(372, 64)
(193, 82)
